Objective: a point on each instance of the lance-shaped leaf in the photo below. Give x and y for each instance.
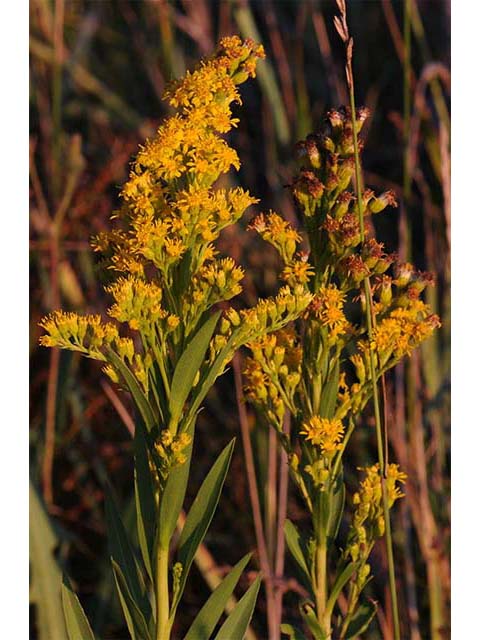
(340, 582)
(235, 626)
(361, 619)
(136, 622)
(212, 374)
(308, 614)
(188, 366)
(135, 389)
(144, 499)
(46, 574)
(209, 615)
(173, 495)
(337, 505)
(298, 548)
(123, 555)
(78, 627)
(201, 514)
(292, 632)
(330, 392)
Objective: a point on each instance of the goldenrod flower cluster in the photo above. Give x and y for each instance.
(161, 252)
(325, 433)
(333, 328)
(368, 522)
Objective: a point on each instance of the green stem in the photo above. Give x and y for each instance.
(321, 584)
(161, 594)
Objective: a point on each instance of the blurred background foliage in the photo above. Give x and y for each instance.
(97, 73)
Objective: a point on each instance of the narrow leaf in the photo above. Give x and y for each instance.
(144, 499)
(209, 615)
(298, 549)
(136, 623)
(330, 392)
(188, 366)
(340, 582)
(235, 626)
(201, 513)
(214, 371)
(173, 495)
(336, 507)
(78, 627)
(46, 574)
(135, 389)
(308, 614)
(361, 619)
(292, 632)
(122, 552)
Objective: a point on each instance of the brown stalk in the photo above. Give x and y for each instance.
(281, 60)
(337, 88)
(271, 511)
(273, 630)
(281, 518)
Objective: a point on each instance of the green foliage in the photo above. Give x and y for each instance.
(46, 576)
(209, 615)
(78, 627)
(235, 626)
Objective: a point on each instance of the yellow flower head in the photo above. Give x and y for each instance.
(324, 433)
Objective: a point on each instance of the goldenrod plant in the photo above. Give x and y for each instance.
(166, 345)
(320, 368)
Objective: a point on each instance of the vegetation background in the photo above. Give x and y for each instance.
(98, 71)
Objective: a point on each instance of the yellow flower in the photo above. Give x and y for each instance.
(324, 433)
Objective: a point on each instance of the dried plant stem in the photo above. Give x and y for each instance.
(273, 628)
(407, 168)
(271, 502)
(282, 516)
(342, 28)
(381, 446)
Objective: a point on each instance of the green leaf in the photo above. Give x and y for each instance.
(78, 627)
(361, 619)
(144, 499)
(122, 553)
(173, 495)
(340, 582)
(292, 632)
(308, 614)
(209, 615)
(46, 574)
(135, 389)
(235, 626)
(298, 548)
(337, 505)
(201, 514)
(135, 619)
(213, 372)
(330, 392)
(188, 366)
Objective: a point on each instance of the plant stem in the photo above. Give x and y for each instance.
(161, 594)
(321, 584)
(373, 373)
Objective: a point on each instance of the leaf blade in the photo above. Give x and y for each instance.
(188, 366)
(208, 616)
(78, 626)
(201, 513)
(235, 626)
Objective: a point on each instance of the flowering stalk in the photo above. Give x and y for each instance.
(342, 28)
(166, 280)
(319, 368)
